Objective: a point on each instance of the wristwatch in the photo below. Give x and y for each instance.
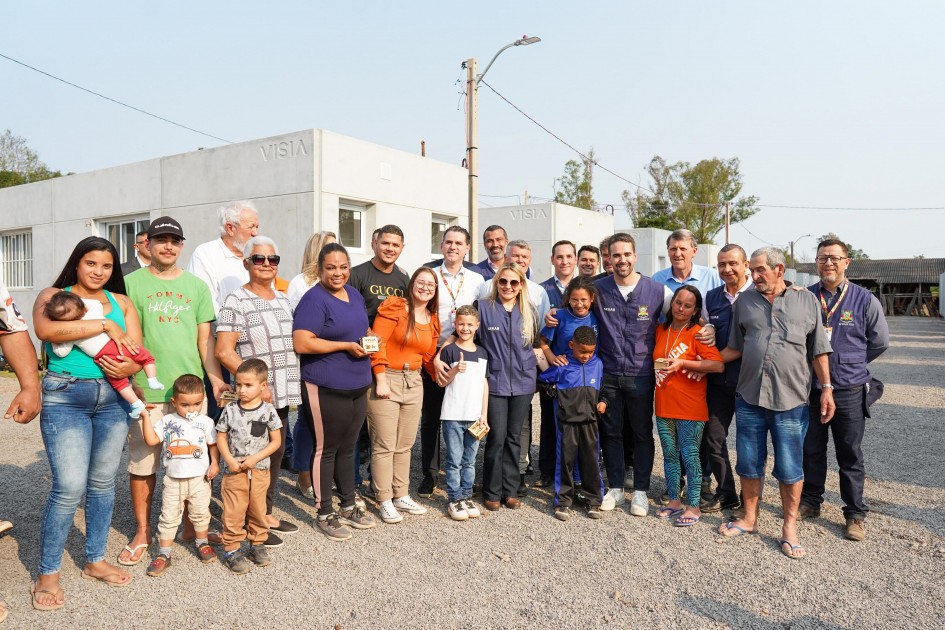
(826, 386)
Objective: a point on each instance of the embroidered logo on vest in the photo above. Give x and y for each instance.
(643, 313)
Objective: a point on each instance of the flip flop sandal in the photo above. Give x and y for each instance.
(4, 610)
(792, 549)
(38, 606)
(132, 562)
(667, 513)
(5, 526)
(105, 579)
(686, 521)
(730, 526)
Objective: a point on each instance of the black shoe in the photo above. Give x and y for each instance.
(529, 470)
(426, 487)
(544, 482)
(730, 503)
(258, 555)
(710, 505)
(522, 486)
(273, 541)
(807, 512)
(284, 527)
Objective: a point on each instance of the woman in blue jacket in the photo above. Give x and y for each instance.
(508, 328)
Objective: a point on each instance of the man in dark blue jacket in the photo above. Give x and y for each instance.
(858, 333)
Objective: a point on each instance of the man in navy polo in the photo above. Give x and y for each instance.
(858, 333)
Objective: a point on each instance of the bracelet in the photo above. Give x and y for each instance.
(103, 325)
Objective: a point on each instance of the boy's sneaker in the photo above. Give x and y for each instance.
(159, 565)
(357, 518)
(562, 513)
(594, 512)
(332, 528)
(613, 498)
(457, 511)
(259, 555)
(236, 562)
(389, 513)
(408, 505)
(206, 553)
(472, 510)
(639, 504)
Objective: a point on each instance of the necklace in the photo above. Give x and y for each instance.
(666, 351)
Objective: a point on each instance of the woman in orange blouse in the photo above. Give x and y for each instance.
(408, 330)
(681, 409)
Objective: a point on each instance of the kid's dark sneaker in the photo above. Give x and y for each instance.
(236, 562)
(259, 555)
(206, 553)
(158, 565)
(562, 513)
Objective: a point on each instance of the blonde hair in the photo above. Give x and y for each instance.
(310, 258)
(524, 305)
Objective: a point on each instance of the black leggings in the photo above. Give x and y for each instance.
(335, 418)
(275, 460)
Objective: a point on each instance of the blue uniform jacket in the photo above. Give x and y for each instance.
(578, 388)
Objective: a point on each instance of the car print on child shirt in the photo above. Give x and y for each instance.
(182, 448)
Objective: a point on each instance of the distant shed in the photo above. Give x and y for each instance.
(904, 286)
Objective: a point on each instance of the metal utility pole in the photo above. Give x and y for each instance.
(728, 217)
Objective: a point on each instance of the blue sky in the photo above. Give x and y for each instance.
(832, 105)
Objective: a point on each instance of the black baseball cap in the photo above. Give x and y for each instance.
(165, 225)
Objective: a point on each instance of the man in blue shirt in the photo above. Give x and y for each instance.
(681, 247)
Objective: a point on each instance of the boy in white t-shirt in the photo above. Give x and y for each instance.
(190, 462)
(465, 402)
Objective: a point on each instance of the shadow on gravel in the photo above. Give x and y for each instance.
(738, 617)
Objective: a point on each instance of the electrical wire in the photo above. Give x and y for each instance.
(108, 98)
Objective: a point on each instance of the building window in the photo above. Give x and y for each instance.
(351, 225)
(438, 227)
(122, 234)
(16, 259)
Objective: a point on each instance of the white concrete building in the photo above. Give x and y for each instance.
(543, 225)
(301, 183)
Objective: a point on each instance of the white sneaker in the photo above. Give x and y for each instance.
(639, 504)
(613, 498)
(457, 511)
(408, 505)
(471, 509)
(628, 478)
(389, 513)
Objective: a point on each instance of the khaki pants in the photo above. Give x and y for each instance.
(393, 424)
(244, 495)
(196, 492)
(144, 460)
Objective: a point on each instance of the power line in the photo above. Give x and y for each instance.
(108, 98)
(765, 205)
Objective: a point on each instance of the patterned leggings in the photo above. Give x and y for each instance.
(685, 435)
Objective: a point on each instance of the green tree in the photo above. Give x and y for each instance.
(19, 164)
(691, 196)
(853, 253)
(577, 186)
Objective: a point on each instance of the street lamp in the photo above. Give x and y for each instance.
(798, 239)
(472, 134)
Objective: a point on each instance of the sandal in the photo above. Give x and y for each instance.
(132, 561)
(668, 512)
(124, 579)
(726, 530)
(53, 606)
(686, 521)
(4, 610)
(792, 551)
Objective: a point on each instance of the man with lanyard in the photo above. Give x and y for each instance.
(720, 394)
(856, 327)
(376, 280)
(459, 286)
(777, 333)
(564, 261)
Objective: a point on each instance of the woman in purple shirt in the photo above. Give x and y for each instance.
(330, 321)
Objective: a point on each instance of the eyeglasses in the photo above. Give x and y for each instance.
(427, 285)
(505, 282)
(823, 260)
(259, 260)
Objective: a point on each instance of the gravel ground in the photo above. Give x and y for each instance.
(525, 569)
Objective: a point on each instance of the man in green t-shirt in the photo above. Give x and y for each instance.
(175, 309)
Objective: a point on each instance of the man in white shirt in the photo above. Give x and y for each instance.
(458, 286)
(219, 263)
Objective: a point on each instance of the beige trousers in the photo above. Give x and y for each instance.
(193, 490)
(244, 495)
(392, 424)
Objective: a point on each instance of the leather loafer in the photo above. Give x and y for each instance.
(492, 506)
(512, 503)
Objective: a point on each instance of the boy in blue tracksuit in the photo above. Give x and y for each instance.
(577, 403)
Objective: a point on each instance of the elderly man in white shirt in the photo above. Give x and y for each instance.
(219, 263)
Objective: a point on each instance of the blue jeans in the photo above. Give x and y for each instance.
(84, 428)
(461, 447)
(787, 428)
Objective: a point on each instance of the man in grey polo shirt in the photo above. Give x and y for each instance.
(777, 333)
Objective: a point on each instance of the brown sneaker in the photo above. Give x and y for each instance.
(855, 529)
(158, 565)
(206, 553)
(807, 512)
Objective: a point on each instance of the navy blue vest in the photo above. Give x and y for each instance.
(512, 365)
(848, 340)
(555, 296)
(628, 327)
(720, 316)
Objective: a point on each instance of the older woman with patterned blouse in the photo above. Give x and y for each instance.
(255, 322)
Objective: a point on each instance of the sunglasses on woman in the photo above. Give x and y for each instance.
(505, 282)
(259, 260)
